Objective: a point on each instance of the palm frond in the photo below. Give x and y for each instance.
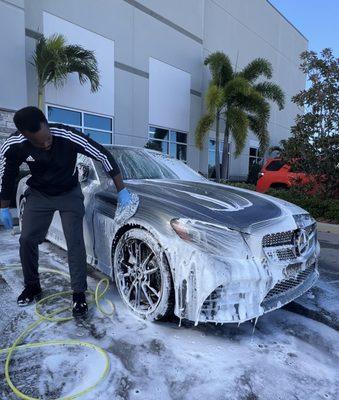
(238, 124)
(256, 68)
(272, 92)
(214, 98)
(84, 63)
(204, 125)
(54, 60)
(220, 67)
(49, 60)
(258, 126)
(238, 86)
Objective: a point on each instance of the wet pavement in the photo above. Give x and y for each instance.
(289, 355)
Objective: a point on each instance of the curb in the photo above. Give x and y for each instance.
(328, 228)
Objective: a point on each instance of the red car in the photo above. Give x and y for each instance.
(276, 174)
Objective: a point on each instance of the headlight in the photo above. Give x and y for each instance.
(213, 238)
(303, 220)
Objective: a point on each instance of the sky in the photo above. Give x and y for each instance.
(315, 19)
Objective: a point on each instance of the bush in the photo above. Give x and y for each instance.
(242, 185)
(321, 208)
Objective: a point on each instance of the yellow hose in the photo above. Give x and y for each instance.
(97, 295)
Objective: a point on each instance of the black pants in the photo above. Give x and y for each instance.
(37, 217)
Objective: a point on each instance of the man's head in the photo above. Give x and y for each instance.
(32, 123)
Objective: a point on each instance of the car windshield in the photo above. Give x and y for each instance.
(137, 163)
(178, 167)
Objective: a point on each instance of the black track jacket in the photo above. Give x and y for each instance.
(53, 171)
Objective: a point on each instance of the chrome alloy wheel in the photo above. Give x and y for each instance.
(141, 274)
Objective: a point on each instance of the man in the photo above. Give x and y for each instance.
(50, 150)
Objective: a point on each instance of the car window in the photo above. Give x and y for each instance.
(136, 163)
(274, 165)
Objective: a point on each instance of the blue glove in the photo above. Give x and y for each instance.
(6, 218)
(124, 197)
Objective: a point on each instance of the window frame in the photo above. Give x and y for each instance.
(257, 159)
(169, 141)
(82, 114)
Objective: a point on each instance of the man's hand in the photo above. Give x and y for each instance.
(124, 197)
(6, 218)
(127, 205)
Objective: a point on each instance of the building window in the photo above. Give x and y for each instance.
(168, 141)
(211, 156)
(98, 127)
(254, 157)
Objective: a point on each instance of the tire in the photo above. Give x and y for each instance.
(148, 294)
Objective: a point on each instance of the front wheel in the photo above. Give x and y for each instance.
(142, 275)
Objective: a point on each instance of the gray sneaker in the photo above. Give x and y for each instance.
(123, 213)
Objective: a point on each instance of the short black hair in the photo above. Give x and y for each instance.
(29, 119)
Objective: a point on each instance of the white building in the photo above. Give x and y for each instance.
(150, 54)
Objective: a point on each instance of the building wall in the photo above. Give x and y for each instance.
(13, 92)
(179, 33)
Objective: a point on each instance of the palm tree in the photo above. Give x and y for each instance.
(53, 60)
(241, 101)
(221, 71)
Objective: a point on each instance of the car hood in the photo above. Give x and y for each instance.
(210, 202)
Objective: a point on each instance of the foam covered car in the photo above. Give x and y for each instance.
(206, 252)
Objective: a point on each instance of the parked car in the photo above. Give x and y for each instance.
(276, 174)
(204, 251)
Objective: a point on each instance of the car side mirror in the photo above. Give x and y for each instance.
(83, 172)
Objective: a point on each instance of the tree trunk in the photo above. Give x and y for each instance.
(217, 158)
(41, 98)
(225, 155)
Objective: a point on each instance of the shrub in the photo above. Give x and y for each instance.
(321, 208)
(242, 185)
(324, 209)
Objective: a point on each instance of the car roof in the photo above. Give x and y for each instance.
(126, 146)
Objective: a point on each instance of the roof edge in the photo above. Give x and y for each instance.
(287, 20)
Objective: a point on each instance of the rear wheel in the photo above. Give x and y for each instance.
(142, 275)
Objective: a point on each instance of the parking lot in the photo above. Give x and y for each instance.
(291, 354)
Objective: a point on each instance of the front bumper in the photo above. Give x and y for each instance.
(236, 290)
(244, 300)
(289, 289)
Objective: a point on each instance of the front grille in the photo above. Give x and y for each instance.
(287, 284)
(280, 253)
(280, 246)
(285, 254)
(278, 239)
(210, 306)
